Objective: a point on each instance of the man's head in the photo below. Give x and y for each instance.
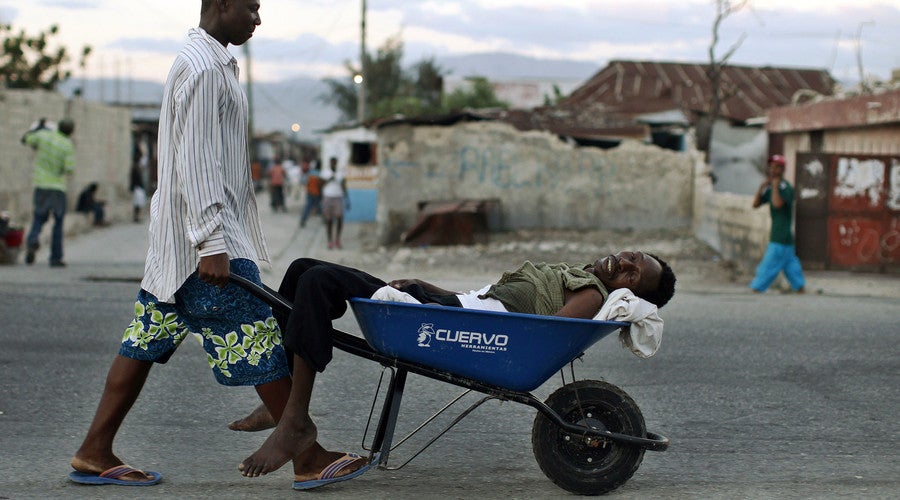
(776, 166)
(66, 126)
(646, 275)
(230, 21)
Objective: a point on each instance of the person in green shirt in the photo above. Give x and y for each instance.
(780, 254)
(54, 161)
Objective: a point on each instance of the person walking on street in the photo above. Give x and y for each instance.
(53, 163)
(276, 187)
(780, 254)
(312, 179)
(204, 225)
(334, 199)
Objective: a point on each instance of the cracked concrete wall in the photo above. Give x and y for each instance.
(541, 181)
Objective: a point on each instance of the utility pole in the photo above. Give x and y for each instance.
(361, 95)
(249, 103)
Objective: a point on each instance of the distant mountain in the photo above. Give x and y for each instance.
(278, 105)
(502, 66)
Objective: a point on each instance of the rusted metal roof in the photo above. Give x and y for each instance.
(857, 111)
(623, 99)
(625, 90)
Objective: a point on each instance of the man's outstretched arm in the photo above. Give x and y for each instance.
(428, 287)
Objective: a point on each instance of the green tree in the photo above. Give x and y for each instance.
(556, 98)
(479, 93)
(392, 90)
(28, 62)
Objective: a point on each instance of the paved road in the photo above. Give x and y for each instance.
(774, 396)
(793, 398)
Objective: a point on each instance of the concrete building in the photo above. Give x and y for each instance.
(355, 148)
(844, 158)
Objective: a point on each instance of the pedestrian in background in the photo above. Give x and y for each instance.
(276, 187)
(89, 205)
(136, 186)
(313, 181)
(334, 199)
(54, 162)
(780, 254)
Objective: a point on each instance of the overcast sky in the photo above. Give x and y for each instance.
(314, 37)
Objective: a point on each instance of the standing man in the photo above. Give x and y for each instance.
(204, 225)
(313, 181)
(53, 163)
(334, 198)
(780, 254)
(276, 187)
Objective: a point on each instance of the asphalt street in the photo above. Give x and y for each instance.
(773, 396)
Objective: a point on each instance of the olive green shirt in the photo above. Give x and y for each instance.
(540, 288)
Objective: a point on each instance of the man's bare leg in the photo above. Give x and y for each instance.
(124, 382)
(309, 463)
(258, 420)
(295, 432)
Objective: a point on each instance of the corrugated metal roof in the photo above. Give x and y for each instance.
(623, 99)
(625, 89)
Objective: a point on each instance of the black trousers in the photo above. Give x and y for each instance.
(319, 291)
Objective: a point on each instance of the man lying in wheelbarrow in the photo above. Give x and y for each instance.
(319, 292)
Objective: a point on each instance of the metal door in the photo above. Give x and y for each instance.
(811, 195)
(863, 211)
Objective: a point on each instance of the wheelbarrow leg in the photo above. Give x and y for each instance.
(384, 434)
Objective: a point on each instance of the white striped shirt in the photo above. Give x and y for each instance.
(204, 203)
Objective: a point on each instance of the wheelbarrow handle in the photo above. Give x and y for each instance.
(262, 292)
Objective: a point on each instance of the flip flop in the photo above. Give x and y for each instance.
(329, 473)
(112, 475)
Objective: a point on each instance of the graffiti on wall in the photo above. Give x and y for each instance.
(814, 172)
(860, 178)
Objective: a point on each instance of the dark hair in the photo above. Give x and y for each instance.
(666, 288)
(66, 126)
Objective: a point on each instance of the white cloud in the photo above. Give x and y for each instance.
(315, 37)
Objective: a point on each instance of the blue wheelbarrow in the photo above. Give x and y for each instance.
(588, 437)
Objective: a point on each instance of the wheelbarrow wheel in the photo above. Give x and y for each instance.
(582, 464)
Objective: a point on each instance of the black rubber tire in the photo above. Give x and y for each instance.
(572, 463)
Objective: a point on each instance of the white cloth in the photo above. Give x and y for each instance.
(645, 333)
(468, 300)
(139, 197)
(205, 203)
(390, 294)
(471, 300)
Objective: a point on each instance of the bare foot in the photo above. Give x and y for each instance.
(258, 420)
(287, 442)
(90, 467)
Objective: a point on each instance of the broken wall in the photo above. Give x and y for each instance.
(541, 181)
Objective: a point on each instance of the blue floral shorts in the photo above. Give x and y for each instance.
(241, 338)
